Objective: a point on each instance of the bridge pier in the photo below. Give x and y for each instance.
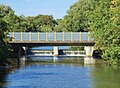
(25, 49)
(19, 52)
(56, 50)
(89, 52)
(22, 51)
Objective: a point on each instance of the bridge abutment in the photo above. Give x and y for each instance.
(25, 50)
(89, 52)
(56, 50)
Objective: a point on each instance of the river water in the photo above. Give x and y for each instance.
(65, 73)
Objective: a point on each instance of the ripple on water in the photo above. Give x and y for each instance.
(50, 76)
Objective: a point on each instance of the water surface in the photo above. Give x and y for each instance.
(60, 75)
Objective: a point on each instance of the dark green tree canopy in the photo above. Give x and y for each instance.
(41, 23)
(76, 19)
(22, 23)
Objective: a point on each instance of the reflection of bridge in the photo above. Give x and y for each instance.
(31, 39)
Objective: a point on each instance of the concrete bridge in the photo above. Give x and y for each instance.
(32, 39)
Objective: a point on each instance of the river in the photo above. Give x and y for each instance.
(64, 73)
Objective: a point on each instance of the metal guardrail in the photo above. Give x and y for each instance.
(49, 36)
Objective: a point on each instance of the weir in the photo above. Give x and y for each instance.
(60, 53)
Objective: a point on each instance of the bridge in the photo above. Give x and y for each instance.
(51, 39)
(31, 39)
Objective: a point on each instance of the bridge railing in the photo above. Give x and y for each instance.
(50, 36)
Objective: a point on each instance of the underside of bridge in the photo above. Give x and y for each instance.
(88, 47)
(34, 44)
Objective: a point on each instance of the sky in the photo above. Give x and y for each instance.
(57, 8)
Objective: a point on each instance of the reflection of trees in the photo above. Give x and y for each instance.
(3, 76)
(106, 77)
(5, 71)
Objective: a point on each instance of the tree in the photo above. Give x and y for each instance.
(4, 28)
(76, 19)
(41, 23)
(16, 23)
(104, 22)
(3, 44)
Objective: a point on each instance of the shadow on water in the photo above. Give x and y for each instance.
(5, 71)
(3, 77)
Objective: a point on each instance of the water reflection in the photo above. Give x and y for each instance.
(89, 60)
(55, 59)
(50, 76)
(21, 62)
(106, 77)
(80, 59)
(60, 73)
(3, 76)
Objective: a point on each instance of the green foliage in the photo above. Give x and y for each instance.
(104, 22)
(15, 23)
(4, 53)
(76, 19)
(4, 49)
(21, 23)
(3, 25)
(60, 27)
(41, 23)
